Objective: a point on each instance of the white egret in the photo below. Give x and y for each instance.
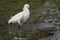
(21, 17)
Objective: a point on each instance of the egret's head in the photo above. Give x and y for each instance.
(26, 6)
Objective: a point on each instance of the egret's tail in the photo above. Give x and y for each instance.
(9, 22)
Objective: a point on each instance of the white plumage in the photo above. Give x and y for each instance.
(21, 17)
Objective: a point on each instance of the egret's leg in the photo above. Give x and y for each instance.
(19, 29)
(19, 23)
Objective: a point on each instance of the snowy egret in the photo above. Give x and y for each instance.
(21, 17)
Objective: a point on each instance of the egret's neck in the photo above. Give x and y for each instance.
(25, 9)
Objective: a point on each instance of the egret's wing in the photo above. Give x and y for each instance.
(16, 17)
